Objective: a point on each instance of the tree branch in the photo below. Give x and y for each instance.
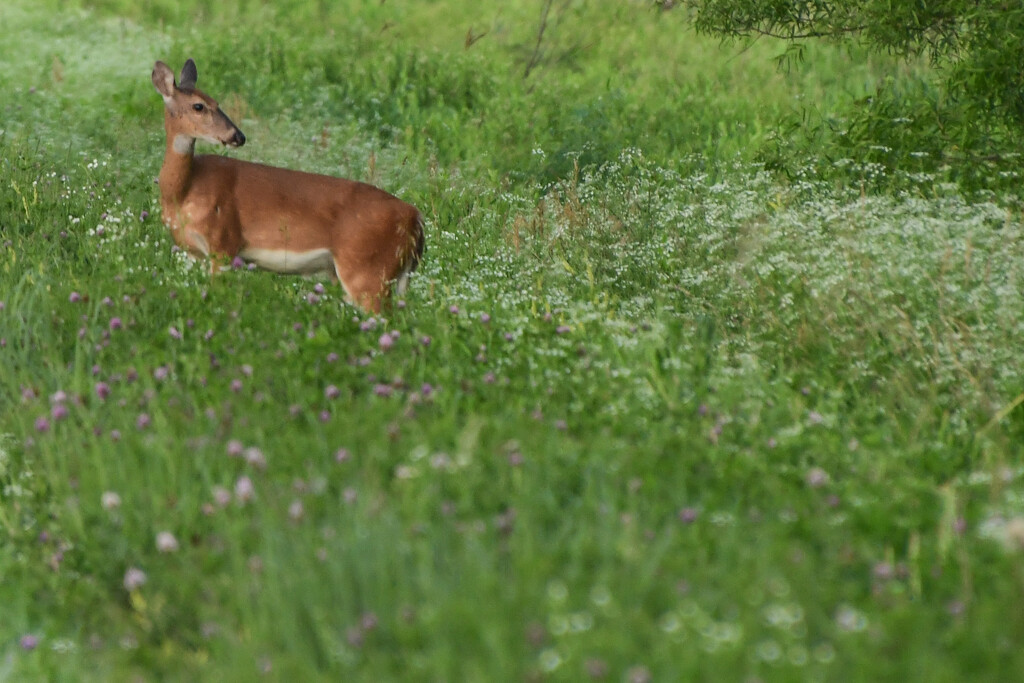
(535, 57)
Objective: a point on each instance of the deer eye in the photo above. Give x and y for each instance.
(199, 106)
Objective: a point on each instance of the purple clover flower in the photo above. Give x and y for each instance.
(816, 477)
(244, 490)
(221, 496)
(254, 456)
(883, 571)
(639, 674)
(166, 542)
(688, 515)
(134, 579)
(596, 668)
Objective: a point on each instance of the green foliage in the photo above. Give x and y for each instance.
(965, 124)
(905, 27)
(908, 136)
(986, 70)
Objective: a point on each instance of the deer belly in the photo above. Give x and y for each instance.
(288, 261)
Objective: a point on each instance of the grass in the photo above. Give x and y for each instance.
(647, 412)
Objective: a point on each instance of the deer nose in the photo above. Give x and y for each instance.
(238, 139)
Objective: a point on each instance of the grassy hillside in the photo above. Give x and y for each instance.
(646, 413)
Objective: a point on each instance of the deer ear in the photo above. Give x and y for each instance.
(163, 80)
(188, 76)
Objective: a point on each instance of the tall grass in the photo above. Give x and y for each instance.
(646, 413)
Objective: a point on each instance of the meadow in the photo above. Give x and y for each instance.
(649, 410)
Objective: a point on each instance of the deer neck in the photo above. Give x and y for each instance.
(176, 172)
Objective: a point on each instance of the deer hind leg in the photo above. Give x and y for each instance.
(367, 291)
(409, 254)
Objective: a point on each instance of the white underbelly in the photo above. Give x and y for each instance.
(309, 262)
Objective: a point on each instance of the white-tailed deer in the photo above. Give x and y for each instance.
(282, 220)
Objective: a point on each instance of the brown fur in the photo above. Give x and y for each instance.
(217, 207)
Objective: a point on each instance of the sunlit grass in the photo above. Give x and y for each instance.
(646, 413)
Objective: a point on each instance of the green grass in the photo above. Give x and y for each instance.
(649, 411)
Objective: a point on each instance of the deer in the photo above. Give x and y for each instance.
(220, 208)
